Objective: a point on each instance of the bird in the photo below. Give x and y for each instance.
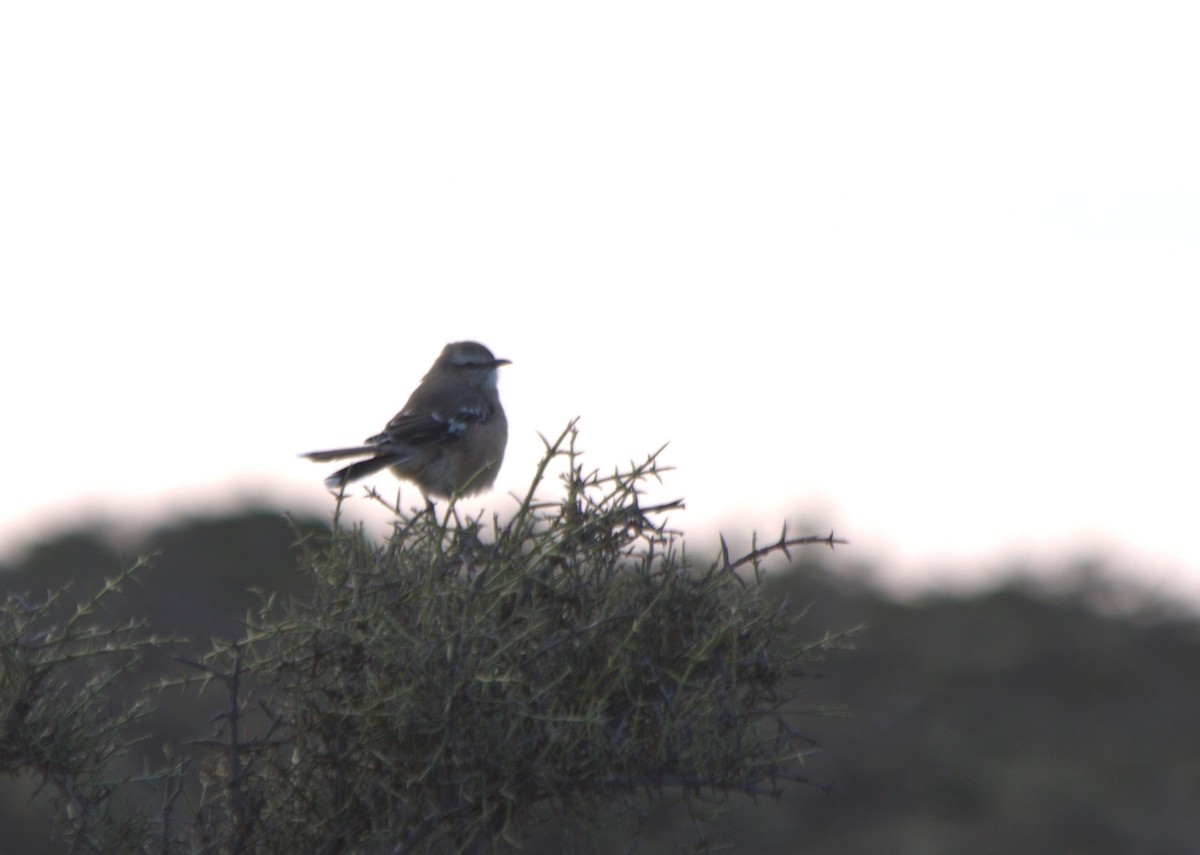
(449, 437)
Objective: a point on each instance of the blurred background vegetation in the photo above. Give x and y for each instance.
(1030, 718)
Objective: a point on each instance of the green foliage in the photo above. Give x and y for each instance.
(59, 710)
(436, 692)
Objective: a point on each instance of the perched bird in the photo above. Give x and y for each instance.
(448, 439)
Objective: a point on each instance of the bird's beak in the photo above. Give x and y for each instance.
(497, 363)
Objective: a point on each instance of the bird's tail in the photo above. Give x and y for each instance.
(338, 480)
(339, 453)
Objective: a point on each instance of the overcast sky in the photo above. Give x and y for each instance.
(928, 273)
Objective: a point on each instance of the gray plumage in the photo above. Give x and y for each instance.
(449, 437)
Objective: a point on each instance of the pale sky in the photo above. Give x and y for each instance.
(927, 273)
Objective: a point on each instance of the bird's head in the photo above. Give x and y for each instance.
(470, 359)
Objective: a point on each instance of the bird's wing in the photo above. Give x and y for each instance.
(428, 427)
